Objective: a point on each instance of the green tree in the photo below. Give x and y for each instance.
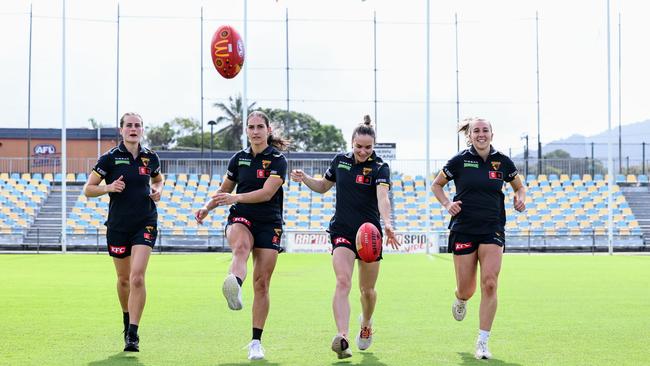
(306, 133)
(94, 124)
(228, 136)
(160, 137)
(179, 132)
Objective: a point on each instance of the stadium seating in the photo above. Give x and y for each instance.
(556, 205)
(21, 197)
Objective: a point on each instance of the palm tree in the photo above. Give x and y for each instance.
(230, 134)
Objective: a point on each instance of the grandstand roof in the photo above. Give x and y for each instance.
(55, 133)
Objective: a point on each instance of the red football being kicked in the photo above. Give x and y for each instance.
(368, 242)
(227, 50)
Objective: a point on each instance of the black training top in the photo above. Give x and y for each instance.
(479, 186)
(250, 173)
(356, 192)
(132, 209)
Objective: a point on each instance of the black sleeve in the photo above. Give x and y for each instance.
(154, 165)
(279, 167)
(383, 175)
(102, 166)
(450, 170)
(233, 169)
(509, 170)
(330, 173)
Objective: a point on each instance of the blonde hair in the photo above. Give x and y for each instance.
(465, 126)
(130, 114)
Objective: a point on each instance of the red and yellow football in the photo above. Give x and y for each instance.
(227, 50)
(368, 242)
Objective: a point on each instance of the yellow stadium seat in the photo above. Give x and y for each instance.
(542, 177)
(564, 177)
(631, 178)
(586, 177)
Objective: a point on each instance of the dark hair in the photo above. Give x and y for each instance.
(130, 114)
(278, 141)
(364, 128)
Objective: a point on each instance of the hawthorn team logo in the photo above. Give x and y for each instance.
(496, 165)
(278, 235)
(367, 171)
(145, 161)
(266, 164)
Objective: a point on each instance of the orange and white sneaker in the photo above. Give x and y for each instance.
(364, 338)
(341, 346)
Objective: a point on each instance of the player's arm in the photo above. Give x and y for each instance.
(520, 193)
(264, 194)
(437, 187)
(157, 187)
(93, 189)
(383, 202)
(227, 186)
(319, 185)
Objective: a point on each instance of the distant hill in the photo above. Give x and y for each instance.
(580, 146)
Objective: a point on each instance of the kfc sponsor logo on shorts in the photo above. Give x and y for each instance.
(147, 236)
(117, 250)
(241, 220)
(461, 246)
(341, 240)
(261, 173)
(144, 170)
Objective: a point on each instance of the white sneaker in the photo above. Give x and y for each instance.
(341, 346)
(364, 337)
(232, 292)
(255, 350)
(458, 309)
(482, 351)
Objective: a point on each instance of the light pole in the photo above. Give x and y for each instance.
(525, 137)
(211, 123)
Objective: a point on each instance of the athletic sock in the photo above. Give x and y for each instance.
(125, 320)
(257, 333)
(239, 281)
(483, 335)
(133, 330)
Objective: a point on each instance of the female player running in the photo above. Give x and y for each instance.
(134, 184)
(478, 220)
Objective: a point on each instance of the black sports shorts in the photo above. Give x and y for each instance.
(119, 243)
(461, 243)
(265, 235)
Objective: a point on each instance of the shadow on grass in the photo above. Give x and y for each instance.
(122, 358)
(252, 362)
(469, 359)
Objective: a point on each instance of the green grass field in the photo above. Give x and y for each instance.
(553, 310)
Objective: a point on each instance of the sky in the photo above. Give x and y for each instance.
(331, 64)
